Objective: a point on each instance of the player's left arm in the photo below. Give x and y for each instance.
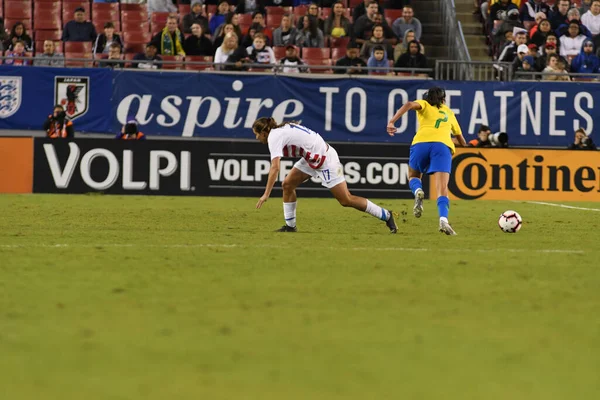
(273, 174)
(411, 105)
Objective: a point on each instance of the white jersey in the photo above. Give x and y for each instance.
(292, 140)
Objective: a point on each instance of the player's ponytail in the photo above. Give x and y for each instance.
(436, 96)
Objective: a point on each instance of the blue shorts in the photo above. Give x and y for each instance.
(430, 157)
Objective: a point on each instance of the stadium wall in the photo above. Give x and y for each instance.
(345, 109)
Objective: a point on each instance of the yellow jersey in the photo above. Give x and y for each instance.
(436, 125)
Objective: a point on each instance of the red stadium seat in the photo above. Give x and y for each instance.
(84, 64)
(393, 14)
(105, 15)
(159, 18)
(184, 9)
(178, 65)
(48, 35)
(136, 37)
(134, 48)
(155, 28)
(193, 67)
(134, 15)
(274, 21)
(105, 7)
(50, 22)
(316, 53)
(134, 7)
(78, 47)
(319, 62)
(48, 6)
(301, 10)
(245, 19)
(354, 3)
(17, 11)
(135, 26)
(211, 9)
(337, 53)
(244, 28)
(279, 52)
(341, 42)
(278, 10)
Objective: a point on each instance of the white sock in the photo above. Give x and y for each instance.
(289, 213)
(443, 219)
(377, 212)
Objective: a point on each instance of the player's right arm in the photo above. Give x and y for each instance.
(411, 105)
(457, 132)
(273, 174)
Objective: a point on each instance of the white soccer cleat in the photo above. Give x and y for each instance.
(446, 228)
(418, 208)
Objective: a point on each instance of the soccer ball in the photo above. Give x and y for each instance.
(510, 221)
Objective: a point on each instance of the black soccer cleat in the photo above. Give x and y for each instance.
(286, 228)
(391, 223)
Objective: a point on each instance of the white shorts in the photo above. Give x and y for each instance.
(331, 172)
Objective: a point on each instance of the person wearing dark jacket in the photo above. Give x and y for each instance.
(582, 141)
(586, 61)
(532, 7)
(361, 9)
(558, 17)
(104, 40)
(18, 33)
(78, 29)
(195, 16)
(58, 126)
(352, 61)
(130, 131)
(412, 58)
(499, 11)
(197, 44)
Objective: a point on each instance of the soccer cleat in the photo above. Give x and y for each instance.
(446, 228)
(418, 208)
(286, 228)
(391, 223)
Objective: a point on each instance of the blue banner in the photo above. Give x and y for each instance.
(28, 95)
(341, 109)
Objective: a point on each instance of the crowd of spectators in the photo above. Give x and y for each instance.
(536, 36)
(239, 34)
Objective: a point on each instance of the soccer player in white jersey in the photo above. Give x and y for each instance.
(317, 158)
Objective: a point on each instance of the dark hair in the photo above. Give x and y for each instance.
(413, 42)
(109, 25)
(378, 48)
(484, 128)
(435, 96)
(255, 13)
(266, 124)
(376, 26)
(313, 25)
(14, 29)
(554, 56)
(115, 45)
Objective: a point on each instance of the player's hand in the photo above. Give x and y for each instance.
(261, 201)
(391, 129)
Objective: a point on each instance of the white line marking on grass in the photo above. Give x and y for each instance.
(269, 246)
(562, 206)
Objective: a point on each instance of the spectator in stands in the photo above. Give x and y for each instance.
(337, 25)
(259, 52)
(146, 60)
(3, 35)
(549, 50)
(18, 33)
(526, 66)
(78, 29)
(378, 60)
(251, 6)
(291, 62)
(361, 9)
(412, 58)
(310, 35)
(582, 141)
(522, 51)
(531, 7)
(376, 40)
(570, 44)
(402, 48)
(313, 11)
(533, 50)
(49, 58)
(591, 19)
(388, 33)
(539, 17)
(511, 22)
(114, 57)
(249, 38)
(550, 39)
(559, 15)
(161, 6)
(539, 38)
(499, 12)
(197, 44)
(585, 6)
(406, 22)
(586, 61)
(58, 126)
(195, 16)
(363, 27)
(286, 34)
(509, 53)
(555, 66)
(15, 57)
(227, 28)
(482, 139)
(259, 18)
(351, 61)
(573, 15)
(130, 131)
(219, 17)
(104, 40)
(169, 41)
(230, 44)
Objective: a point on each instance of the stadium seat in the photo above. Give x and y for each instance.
(134, 48)
(17, 11)
(136, 37)
(159, 18)
(341, 42)
(48, 6)
(274, 21)
(245, 19)
(279, 52)
(135, 26)
(244, 28)
(316, 53)
(178, 65)
(135, 8)
(84, 64)
(134, 15)
(129, 57)
(393, 14)
(50, 22)
(198, 59)
(271, 10)
(184, 9)
(78, 47)
(105, 15)
(155, 28)
(337, 53)
(300, 10)
(211, 9)
(96, 7)
(319, 62)
(354, 3)
(48, 35)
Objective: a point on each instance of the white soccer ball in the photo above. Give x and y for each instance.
(510, 221)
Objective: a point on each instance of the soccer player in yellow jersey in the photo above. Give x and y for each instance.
(431, 149)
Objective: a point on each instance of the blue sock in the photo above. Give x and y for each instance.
(414, 184)
(443, 205)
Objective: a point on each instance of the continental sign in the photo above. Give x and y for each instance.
(511, 174)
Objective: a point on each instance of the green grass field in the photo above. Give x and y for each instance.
(107, 297)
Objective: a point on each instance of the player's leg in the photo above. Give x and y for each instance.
(289, 185)
(347, 199)
(417, 164)
(441, 165)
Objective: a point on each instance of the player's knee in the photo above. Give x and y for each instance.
(287, 185)
(345, 201)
